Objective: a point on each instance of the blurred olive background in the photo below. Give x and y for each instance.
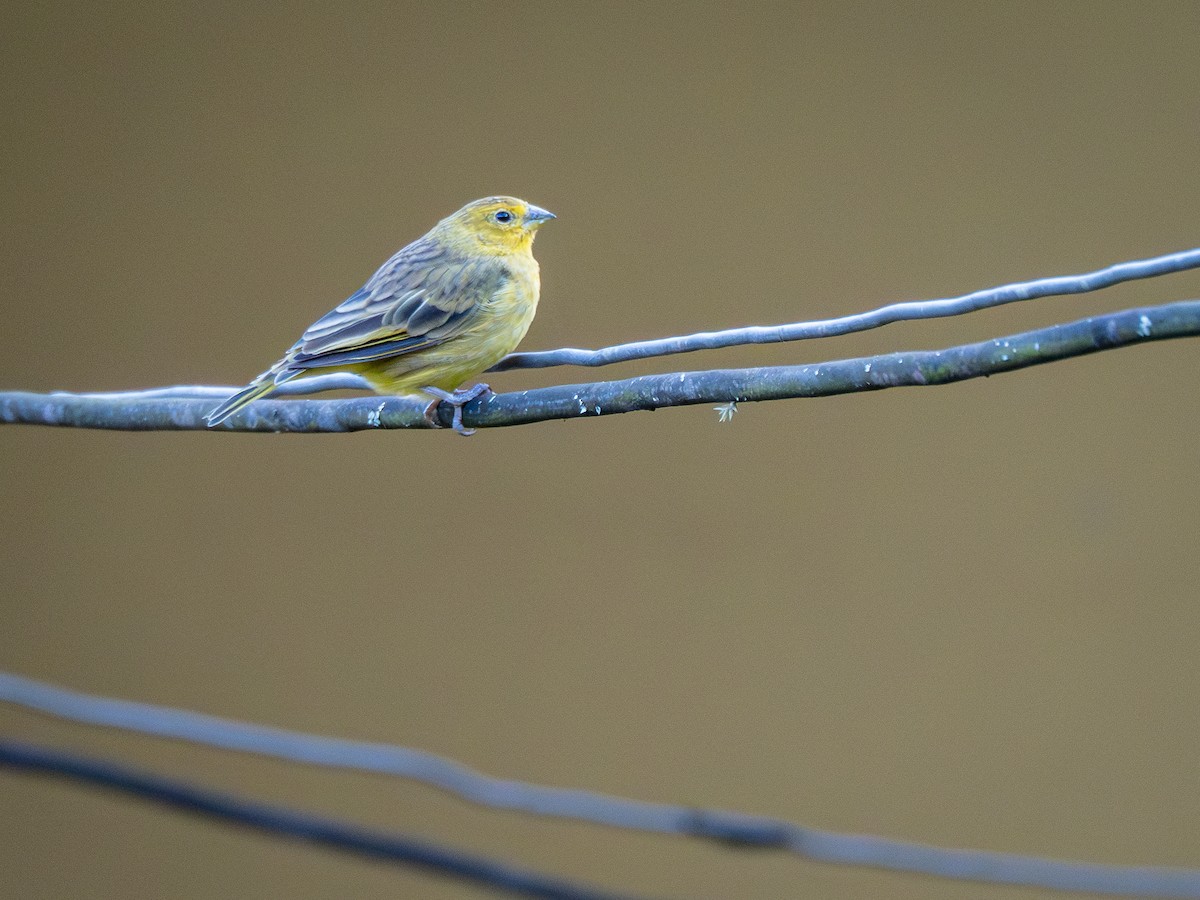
(961, 615)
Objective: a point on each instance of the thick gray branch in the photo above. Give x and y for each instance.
(919, 367)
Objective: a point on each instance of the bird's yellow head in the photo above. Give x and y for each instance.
(494, 225)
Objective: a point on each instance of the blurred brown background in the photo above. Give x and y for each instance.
(963, 615)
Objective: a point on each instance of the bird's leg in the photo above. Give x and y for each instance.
(458, 399)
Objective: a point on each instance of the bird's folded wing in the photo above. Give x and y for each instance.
(416, 300)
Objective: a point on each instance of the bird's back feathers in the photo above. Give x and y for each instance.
(404, 307)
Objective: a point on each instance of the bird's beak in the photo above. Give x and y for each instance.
(535, 216)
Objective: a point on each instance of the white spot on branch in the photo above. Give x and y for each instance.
(726, 411)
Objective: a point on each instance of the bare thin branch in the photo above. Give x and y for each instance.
(338, 381)
(729, 828)
(914, 368)
(284, 822)
(886, 315)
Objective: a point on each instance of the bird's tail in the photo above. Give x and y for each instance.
(255, 389)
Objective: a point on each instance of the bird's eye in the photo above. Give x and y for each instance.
(503, 216)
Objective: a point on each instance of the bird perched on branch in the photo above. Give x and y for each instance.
(441, 311)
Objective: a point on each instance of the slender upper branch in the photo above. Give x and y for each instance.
(920, 367)
(895, 312)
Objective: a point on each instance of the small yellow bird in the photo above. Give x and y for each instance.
(442, 310)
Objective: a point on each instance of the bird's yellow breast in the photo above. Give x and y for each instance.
(497, 326)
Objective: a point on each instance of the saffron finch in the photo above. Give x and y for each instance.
(442, 310)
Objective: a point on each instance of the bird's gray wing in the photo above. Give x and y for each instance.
(419, 298)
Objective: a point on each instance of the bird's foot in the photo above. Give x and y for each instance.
(458, 400)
